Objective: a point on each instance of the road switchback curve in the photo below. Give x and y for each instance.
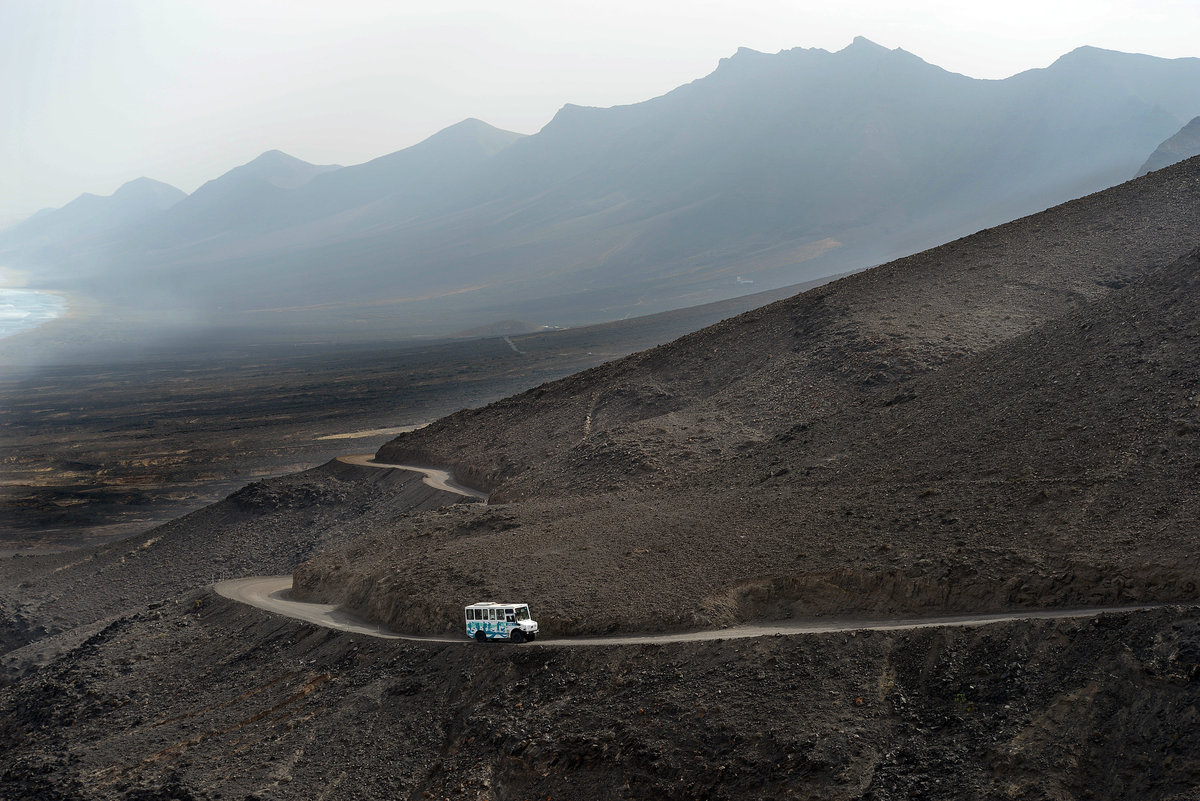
(438, 479)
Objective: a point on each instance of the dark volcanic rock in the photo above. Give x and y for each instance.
(207, 699)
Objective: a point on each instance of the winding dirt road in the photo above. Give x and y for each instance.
(271, 594)
(438, 479)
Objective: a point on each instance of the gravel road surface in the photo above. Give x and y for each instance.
(271, 594)
(438, 479)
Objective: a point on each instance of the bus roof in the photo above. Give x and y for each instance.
(494, 603)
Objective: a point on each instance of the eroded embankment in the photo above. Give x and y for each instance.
(208, 698)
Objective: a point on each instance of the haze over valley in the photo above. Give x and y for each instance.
(830, 421)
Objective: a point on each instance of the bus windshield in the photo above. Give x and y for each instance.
(522, 613)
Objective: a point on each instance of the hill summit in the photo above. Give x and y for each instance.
(89, 216)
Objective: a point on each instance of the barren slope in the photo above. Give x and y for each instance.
(1034, 446)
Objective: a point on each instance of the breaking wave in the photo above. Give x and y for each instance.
(22, 309)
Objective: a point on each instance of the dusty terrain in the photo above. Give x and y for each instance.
(1011, 421)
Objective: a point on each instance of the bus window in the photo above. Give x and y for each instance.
(522, 613)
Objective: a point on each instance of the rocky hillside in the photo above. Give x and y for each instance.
(1056, 468)
(1009, 419)
(204, 699)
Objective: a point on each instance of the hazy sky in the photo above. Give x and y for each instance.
(94, 93)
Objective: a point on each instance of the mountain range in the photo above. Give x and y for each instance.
(774, 169)
(53, 231)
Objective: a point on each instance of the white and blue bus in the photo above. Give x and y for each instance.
(493, 621)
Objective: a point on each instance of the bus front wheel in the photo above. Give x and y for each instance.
(517, 636)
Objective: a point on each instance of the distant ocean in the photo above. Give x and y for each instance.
(22, 309)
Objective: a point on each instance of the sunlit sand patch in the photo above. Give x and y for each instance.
(374, 432)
